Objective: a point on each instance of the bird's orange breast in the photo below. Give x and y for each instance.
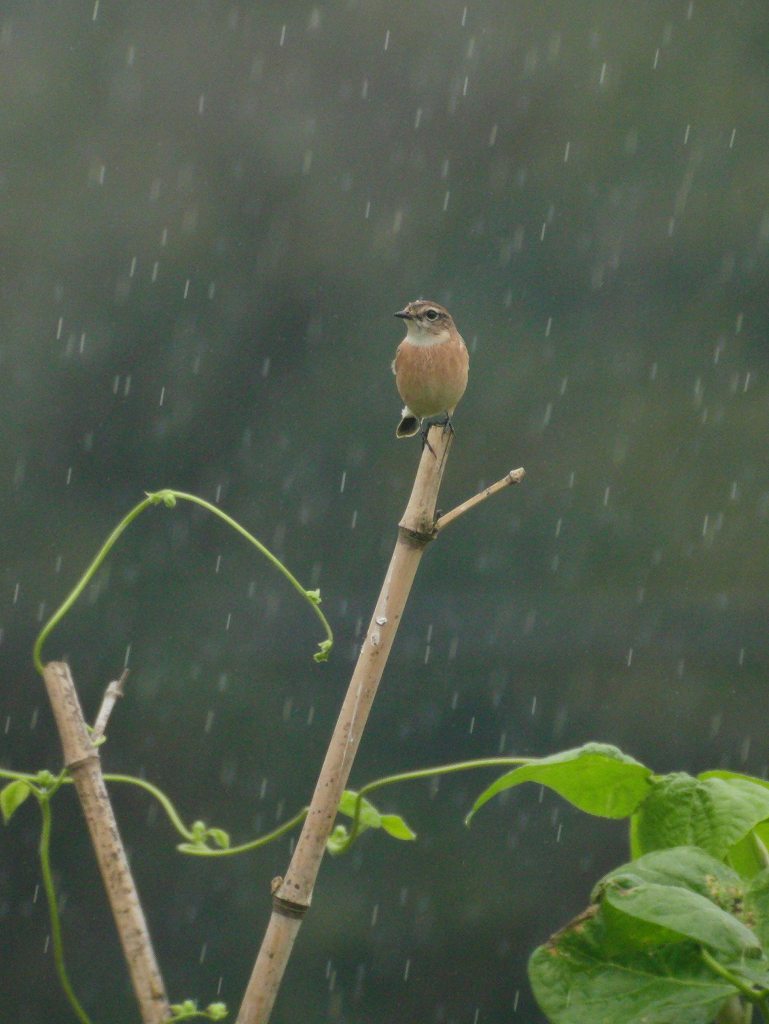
(431, 379)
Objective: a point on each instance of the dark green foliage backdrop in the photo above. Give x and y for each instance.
(208, 213)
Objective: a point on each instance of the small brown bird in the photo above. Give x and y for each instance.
(430, 366)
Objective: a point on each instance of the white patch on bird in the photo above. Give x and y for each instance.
(425, 336)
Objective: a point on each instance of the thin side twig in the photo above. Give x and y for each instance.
(114, 691)
(81, 758)
(515, 476)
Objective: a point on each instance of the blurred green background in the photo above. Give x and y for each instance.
(209, 213)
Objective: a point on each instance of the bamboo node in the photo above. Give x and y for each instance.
(288, 908)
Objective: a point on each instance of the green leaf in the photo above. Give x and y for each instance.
(337, 841)
(324, 649)
(396, 827)
(754, 971)
(188, 1006)
(596, 778)
(727, 776)
(677, 914)
(165, 497)
(369, 815)
(673, 895)
(749, 856)
(204, 839)
(687, 866)
(714, 814)
(219, 837)
(12, 797)
(635, 957)
(188, 1010)
(578, 978)
(757, 905)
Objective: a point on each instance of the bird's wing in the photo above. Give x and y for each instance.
(398, 354)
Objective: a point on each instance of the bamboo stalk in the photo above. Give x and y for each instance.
(292, 894)
(81, 758)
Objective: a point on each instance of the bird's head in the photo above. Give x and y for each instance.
(427, 322)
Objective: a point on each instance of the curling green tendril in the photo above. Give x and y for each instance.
(169, 499)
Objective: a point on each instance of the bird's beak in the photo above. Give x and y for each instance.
(404, 314)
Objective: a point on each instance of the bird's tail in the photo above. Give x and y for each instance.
(408, 426)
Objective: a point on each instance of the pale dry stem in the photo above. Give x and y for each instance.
(292, 894)
(81, 759)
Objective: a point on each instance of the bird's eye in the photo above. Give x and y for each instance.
(432, 314)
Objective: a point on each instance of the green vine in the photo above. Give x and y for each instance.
(169, 498)
(43, 786)
(344, 838)
(199, 835)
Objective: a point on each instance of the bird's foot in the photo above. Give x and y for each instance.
(425, 443)
(448, 425)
